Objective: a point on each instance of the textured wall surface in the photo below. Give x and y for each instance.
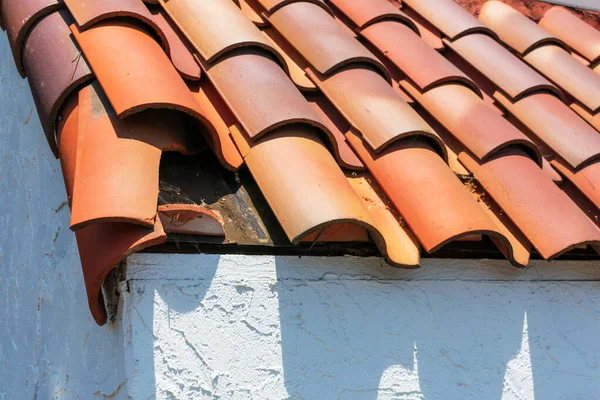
(240, 327)
(50, 348)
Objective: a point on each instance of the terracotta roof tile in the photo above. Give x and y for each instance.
(449, 17)
(557, 126)
(19, 17)
(377, 11)
(515, 29)
(509, 73)
(425, 67)
(55, 68)
(435, 219)
(477, 126)
(90, 12)
(273, 5)
(371, 105)
(429, 33)
(546, 216)
(586, 179)
(180, 50)
(139, 80)
(250, 11)
(544, 52)
(328, 47)
(216, 27)
(190, 219)
(101, 246)
(260, 95)
(580, 36)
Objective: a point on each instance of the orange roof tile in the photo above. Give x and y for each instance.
(313, 123)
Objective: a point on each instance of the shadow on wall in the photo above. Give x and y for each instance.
(351, 338)
(240, 327)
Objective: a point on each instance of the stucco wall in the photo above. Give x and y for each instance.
(247, 327)
(49, 345)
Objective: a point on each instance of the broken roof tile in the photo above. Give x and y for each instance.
(55, 68)
(216, 27)
(510, 74)
(101, 246)
(376, 11)
(449, 17)
(557, 126)
(576, 33)
(19, 17)
(140, 79)
(320, 39)
(515, 29)
(374, 108)
(538, 207)
(190, 219)
(122, 157)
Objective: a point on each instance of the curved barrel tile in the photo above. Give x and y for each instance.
(582, 37)
(557, 126)
(321, 40)
(422, 64)
(19, 17)
(374, 108)
(139, 75)
(296, 64)
(402, 246)
(119, 157)
(101, 246)
(592, 119)
(253, 12)
(504, 69)
(569, 74)
(261, 96)
(180, 50)
(515, 29)
(479, 128)
(377, 10)
(587, 179)
(190, 219)
(519, 251)
(90, 12)
(449, 17)
(216, 27)
(429, 33)
(55, 68)
(430, 198)
(551, 172)
(338, 127)
(293, 162)
(220, 117)
(273, 5)
(549, 219)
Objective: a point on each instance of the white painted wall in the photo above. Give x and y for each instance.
(247, 327)
(50, 346)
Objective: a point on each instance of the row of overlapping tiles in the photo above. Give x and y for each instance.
(289, 87)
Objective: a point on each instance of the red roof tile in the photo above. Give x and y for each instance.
(580, 36)
(353, 122)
